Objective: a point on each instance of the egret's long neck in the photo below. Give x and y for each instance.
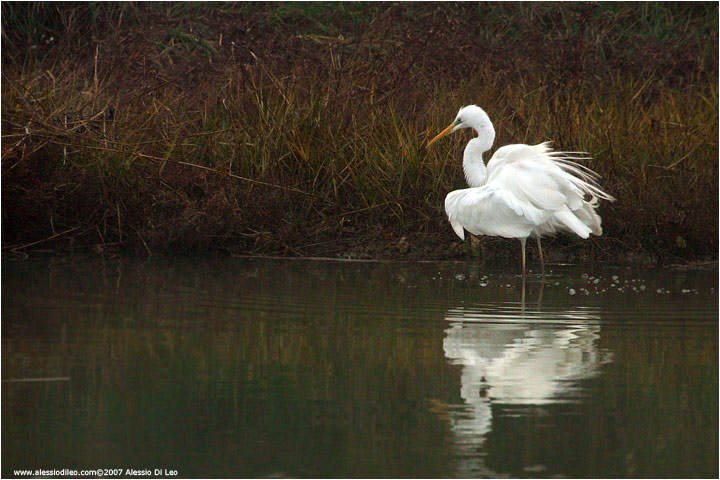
(473, 164)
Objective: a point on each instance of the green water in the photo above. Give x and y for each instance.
(292, 368)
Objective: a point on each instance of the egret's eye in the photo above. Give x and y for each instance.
(457, 121)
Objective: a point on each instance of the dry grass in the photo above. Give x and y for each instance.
(300, 129)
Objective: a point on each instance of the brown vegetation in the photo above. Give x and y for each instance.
(299, 129)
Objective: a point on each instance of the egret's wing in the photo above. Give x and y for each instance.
(488, 211)
(548, 195)
(535, 188)
(528, 171)
(513, 153)
(580, 175)
(569, 175)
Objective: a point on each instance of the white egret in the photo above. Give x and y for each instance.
(525, 190)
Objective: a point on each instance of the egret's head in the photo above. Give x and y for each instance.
(470, 116)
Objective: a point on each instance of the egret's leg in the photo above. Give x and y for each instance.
(542, 285)
(522, 246)
(542, 262)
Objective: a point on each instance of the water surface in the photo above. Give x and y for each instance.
(272, 368)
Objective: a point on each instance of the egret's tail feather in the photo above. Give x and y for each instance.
(589, 217)
(567, 218)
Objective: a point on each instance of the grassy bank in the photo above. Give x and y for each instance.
(300, 129)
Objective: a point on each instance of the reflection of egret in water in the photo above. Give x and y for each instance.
(513, 355)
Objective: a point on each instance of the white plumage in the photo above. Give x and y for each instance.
(524, 190)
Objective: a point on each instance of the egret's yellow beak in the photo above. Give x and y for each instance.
(443, 133)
